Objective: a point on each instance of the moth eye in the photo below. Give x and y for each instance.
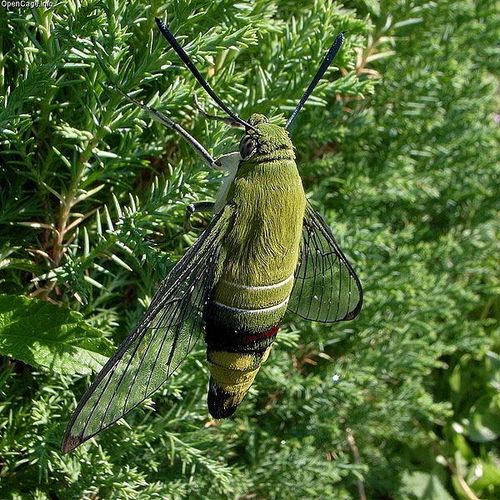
(248, 146)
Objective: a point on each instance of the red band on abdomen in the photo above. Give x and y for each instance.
(257, 337)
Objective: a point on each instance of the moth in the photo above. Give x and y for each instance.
(266, 251)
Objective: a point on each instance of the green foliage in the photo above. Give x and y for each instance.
(42, 334)
(399, 150)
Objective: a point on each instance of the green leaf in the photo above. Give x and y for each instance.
(484, 424)
(425, 486)
(42, 334)
(488, 475)
(373, 6)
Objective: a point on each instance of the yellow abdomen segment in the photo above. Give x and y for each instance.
(232, 374)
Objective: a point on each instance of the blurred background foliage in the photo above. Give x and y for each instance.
(398, 148)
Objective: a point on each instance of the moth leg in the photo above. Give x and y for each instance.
(193, 208)
(228, 120)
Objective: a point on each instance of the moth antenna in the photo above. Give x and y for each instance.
(330, 55)
(192, 68)
(169, 123)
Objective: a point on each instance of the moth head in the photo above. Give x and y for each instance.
(265, 140)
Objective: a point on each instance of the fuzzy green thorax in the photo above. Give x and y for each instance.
(263, 244)
(272, 142)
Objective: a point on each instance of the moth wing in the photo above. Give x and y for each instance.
(160, 342)
(326, 287)
(229, 163)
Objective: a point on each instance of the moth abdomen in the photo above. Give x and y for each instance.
(232, 373)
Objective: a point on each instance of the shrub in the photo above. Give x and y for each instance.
(398, 148)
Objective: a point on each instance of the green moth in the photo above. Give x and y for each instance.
(265, 252)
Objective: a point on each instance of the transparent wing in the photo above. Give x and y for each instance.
(161, 341)
(326, 287)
